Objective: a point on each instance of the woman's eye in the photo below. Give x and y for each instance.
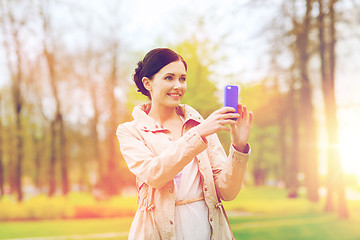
(182, 79)
(168, 78)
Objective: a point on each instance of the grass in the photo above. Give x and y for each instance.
(52, 228)
(257, 213)
(304, 227)
(75, 205)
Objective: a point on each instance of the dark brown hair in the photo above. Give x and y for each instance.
(152, 63)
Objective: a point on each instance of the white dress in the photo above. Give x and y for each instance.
(191, 220)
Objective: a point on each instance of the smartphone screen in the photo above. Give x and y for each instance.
(231, 96)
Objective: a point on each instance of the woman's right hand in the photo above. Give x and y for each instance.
(217, 121)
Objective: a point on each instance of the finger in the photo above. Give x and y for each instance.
(245, 113)
(230, 115)
(250, 117)
(240, 109)
(228, 121)
(226, 110)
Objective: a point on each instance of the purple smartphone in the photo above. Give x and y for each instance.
(231, 97)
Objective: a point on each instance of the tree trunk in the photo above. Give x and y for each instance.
(52, 180)
(63, 156)
(96, 146)
(58, 145)
(11, 34)
(332, 116)
(37, 159)
(283, 146)
(258, 172)
(111, 164)
(335, 175)
(329, 206)
(11, 164)
(19, 139)
(294, 160)
(310, 150)
(1, 153)
(18, 107)
(94, 124)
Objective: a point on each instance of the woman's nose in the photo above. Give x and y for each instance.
(177, 84)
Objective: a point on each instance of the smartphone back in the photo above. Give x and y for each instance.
(231, 96)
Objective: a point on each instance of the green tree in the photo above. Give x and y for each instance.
(267, 104)
(57, 125)
(201, 91)
(12, 25)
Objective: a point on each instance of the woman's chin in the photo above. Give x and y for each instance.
(173, 104)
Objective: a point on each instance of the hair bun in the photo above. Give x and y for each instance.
(139, 68)
(138, 75)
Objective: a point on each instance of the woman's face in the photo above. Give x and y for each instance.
(168, 86)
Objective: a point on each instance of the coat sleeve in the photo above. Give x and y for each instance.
(157, 170)
(229, 171)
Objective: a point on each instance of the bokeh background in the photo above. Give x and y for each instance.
(66, 83)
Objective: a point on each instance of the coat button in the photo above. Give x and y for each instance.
(205, 189)
(211, 219)
(171, 222)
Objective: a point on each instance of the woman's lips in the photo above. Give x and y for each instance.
(174, 94)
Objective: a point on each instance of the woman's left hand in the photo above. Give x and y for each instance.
(240, 130)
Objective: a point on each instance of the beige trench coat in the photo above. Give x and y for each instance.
(155, 158)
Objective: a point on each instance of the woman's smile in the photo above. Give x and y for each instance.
(175, 95)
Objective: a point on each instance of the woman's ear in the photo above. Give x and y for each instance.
(147, 83)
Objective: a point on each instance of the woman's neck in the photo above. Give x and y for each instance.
(162, 114)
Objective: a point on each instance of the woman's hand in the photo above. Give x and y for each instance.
(240, 130)
(217, 121)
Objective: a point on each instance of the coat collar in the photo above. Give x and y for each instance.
(147, 123)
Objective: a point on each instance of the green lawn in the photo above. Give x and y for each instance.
(257, 213)
(304, 227)
(85, 227)
(309, 226)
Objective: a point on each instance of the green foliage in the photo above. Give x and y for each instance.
(75, 205)
(134, 98)
(267, 105)
(265, 151)
(200, 90)
(266, 102)
(39, 207)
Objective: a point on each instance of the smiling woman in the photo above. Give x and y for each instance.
(182, 171)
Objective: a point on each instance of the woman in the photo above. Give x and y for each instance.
(181, 169)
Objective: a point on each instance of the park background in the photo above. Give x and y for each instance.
(66, 83)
